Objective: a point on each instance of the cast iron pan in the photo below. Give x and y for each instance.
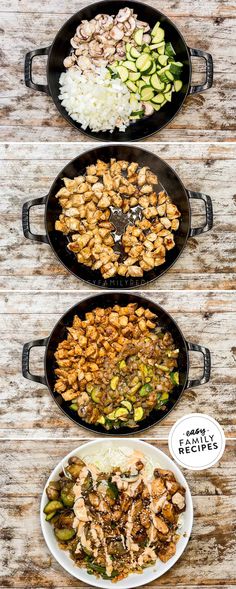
(61, 47)
(168, 180)
(106, 300)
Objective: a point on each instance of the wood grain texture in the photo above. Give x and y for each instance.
(27, 408)
(209, 560)
(32, 116)
(208, 261)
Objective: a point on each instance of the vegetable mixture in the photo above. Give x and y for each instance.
(118, 522)
(123, 47)
(116, 366)
(91, 202)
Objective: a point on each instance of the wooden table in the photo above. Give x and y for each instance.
(209, 560)
(208, 261)
(27, 408)
(31, 116)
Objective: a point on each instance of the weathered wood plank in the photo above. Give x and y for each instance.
(208, 262)
(208, 561)
(27, 115)
(212, 8)
(27, 409)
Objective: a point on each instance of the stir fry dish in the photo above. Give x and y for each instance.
(116, 366)
(91, 201)
(126, 67)
(118, 522)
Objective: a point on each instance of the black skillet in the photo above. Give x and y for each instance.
(106, 300)
(61, 47)
(168, 179)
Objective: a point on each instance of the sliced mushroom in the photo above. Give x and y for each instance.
(123, 14)
(147, 39)
(148, 109)
(117, 33)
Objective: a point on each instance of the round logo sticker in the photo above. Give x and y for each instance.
(196, 441)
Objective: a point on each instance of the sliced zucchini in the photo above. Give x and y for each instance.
(111, 416)
(165, 396)
(137, 114)
(134, 103)
(138, 413)
(128, 405)
(146, 49)
(73, 407)
(50, 516)
(168, 96)
(143, 62)
(130, 65)
(175, 68)
(158, 99)
(134, 52)
(141, 84)
(138, 36)
(134, 76)
(146, 79)
(169, 76)
(114, 383)
(64, 534)
(170, 50)
(159, 35)
(145, 389)
(174, 377)
(136, 117)
(147, 93)
(161, 50)
(121, 412)
(131, 85)
(152, 69)
(156, 106)
(95, 395)
(154, 46)
(53, 506)
(123, 72)
(128, 47)
(178, 85)
(129, 58)
(156, 83)
(167, 88)
(155, 28)
(101, 420)
(163, 59)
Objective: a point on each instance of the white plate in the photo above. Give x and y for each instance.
(158, 458)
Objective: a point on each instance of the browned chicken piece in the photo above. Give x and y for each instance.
(135, 271)
(168, 512)
(146, 189)
(132, 168)
(151, 177)
(166, 553)
(142, 176)
(160, 525)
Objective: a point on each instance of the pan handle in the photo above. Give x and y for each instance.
(26, 220)
(25, 360)
(209, 70)
(209, 213)
(207, 365)
(28, 69)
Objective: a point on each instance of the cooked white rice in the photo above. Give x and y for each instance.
(95, 101)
